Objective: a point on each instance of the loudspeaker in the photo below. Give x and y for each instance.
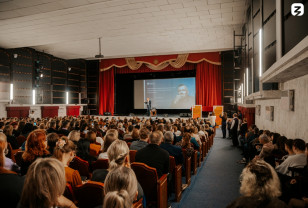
(107, 114)
(183, 114)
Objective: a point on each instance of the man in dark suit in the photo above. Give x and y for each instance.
(148, 103)
(64, 129)
(52, 128)
(154, 156)
(173, 150)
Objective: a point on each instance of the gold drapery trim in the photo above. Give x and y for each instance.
(176, 63)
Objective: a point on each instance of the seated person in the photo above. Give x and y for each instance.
(11, 183)
(109, 139)
(298, 160)
(45, 190)
(95, 148)
(118, 154)
(173, 150)
(65, 152)
(143, 142)
(185, 144)
(52, 139)
(154, 156)
(8, 131)
(36, 147)
(303, 202)
(120, 188)
(260, 187)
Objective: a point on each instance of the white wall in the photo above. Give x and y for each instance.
(292, 124)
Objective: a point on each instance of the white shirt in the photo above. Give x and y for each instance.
(298, 160)
(101, 141)
(103, 156)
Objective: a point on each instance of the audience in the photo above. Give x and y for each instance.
(260, 187)
(153, 155)
(44, 185)
(109, 139)
(11, 183)
(173, 150)
(143, 142)
(8, 131)
(65, 151)
(52, 139)
(36, 146)
(299, 159)
(120, 188)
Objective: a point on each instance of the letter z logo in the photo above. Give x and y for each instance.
(297, 9)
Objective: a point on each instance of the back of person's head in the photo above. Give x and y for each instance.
(8, 130)
(35, 145)
(109, 139)
(289, 144)
(264, 139)
(91, 136)
(280, 141)
(186, 139)
(259, 180)
(160, 127)
(63, 146)
(168, 137)
(113, 131)
(234, 115)
(144, 133)
(52, 124)
(1, 124)
(74, 136)
(27, 128)
(120, 188)
(256, 131)
(130, 128)
(135, 134)
(52, 139)
(44, 183)
(117, 153)
(65, 124)
(299, 144)
(156, 137)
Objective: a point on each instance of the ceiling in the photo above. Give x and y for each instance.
(70, 29)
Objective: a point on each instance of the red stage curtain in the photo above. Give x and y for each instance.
(106, 91)
(208, 84)
(145, 69)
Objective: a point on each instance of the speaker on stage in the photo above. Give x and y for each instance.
(107, 114)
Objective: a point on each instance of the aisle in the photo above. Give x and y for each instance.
(217, 181)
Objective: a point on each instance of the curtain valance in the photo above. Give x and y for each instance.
(160, 62)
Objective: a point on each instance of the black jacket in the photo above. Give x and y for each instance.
(155, 157)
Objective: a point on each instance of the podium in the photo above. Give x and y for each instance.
(153, 112)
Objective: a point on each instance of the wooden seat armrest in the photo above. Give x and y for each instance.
(178, 182)
(162, 193)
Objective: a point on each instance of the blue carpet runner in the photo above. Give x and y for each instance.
(216, 183)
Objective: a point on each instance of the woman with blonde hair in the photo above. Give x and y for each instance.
(8, 131)
(260, 187)
(44, 185)
(11, 183)
(65, 152)
(118, 154)
(74, 136)
(36, 146)
(120, 188)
